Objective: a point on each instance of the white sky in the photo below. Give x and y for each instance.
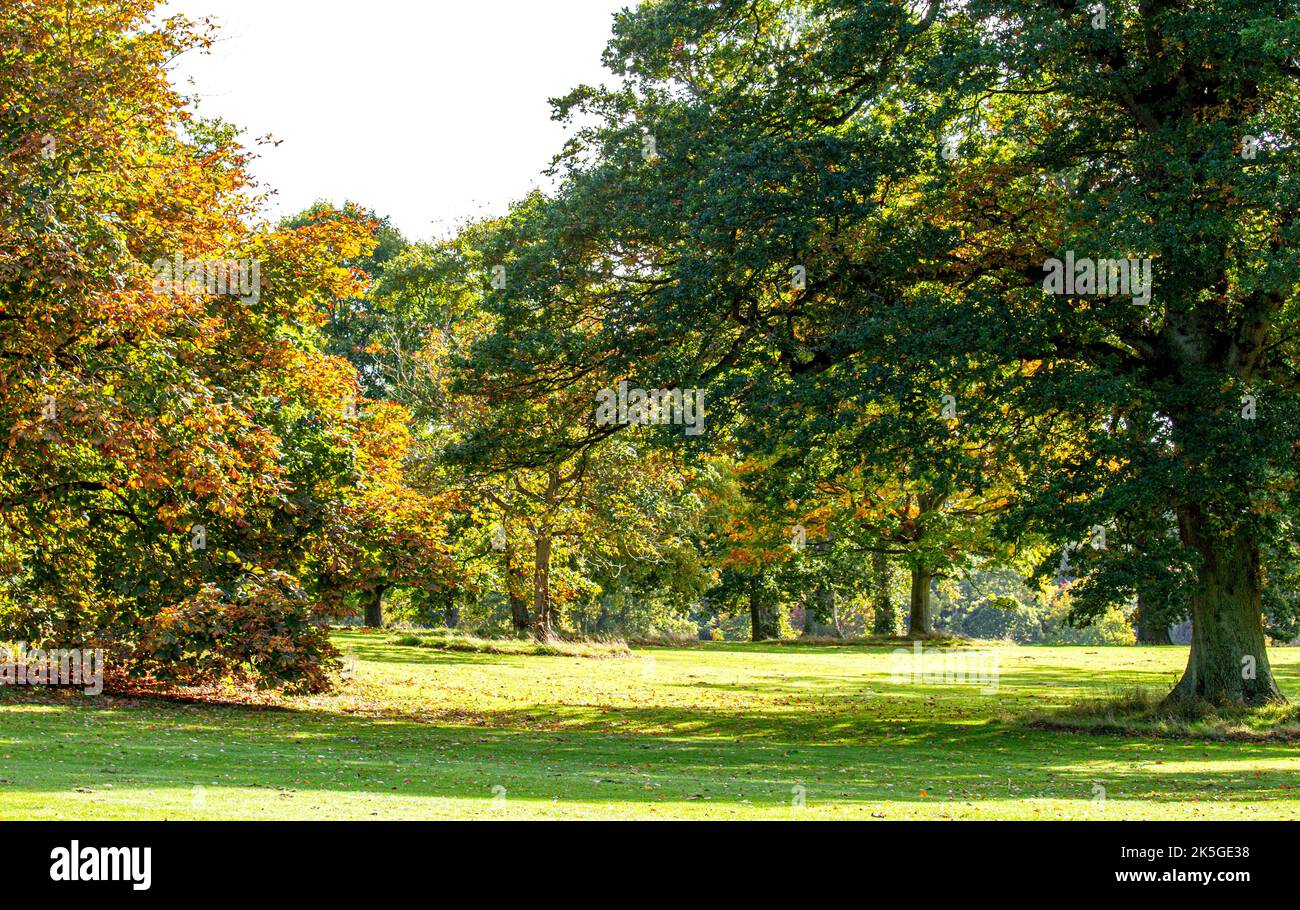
(428, 111)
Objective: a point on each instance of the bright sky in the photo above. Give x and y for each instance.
(428, 111)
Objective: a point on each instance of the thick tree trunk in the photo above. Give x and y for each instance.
(542, 630)
(1228, 662)
(519, 617)
(885, 620)
(920, 622)
(762, 617)
(375, 608)
(1151, 627)
(519, 614)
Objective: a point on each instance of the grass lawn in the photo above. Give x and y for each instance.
(716, 731)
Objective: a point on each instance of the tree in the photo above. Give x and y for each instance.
(383, 533)
(175, 437)
(918, 170)
(555, 498)
(753, 546)
(884, 615)
(354, 330)
(1131, 116)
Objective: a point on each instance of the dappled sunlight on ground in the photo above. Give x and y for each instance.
(733, 731)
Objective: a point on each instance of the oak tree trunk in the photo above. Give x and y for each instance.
(519, 617)
(1228, 662)
(762, 617)
(920, 621)
(542, 629)
(810, 623)
(519, 614)
(375, 608)
(885, 621)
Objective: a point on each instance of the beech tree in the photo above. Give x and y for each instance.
(176, 441)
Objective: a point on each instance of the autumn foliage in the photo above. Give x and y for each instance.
(179, 465)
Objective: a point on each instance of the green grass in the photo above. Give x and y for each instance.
(443, 640)
(1145, 712)
(720, 730)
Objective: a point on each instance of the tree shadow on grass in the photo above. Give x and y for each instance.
(840, 745)
(53, 751)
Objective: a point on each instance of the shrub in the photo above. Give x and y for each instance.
(266, 633)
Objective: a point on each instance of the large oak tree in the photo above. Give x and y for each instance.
(910, 170)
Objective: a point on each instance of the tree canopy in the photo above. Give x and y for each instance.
(991, 292)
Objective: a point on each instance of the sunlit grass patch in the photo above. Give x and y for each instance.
(446, 640)
(725, 730)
